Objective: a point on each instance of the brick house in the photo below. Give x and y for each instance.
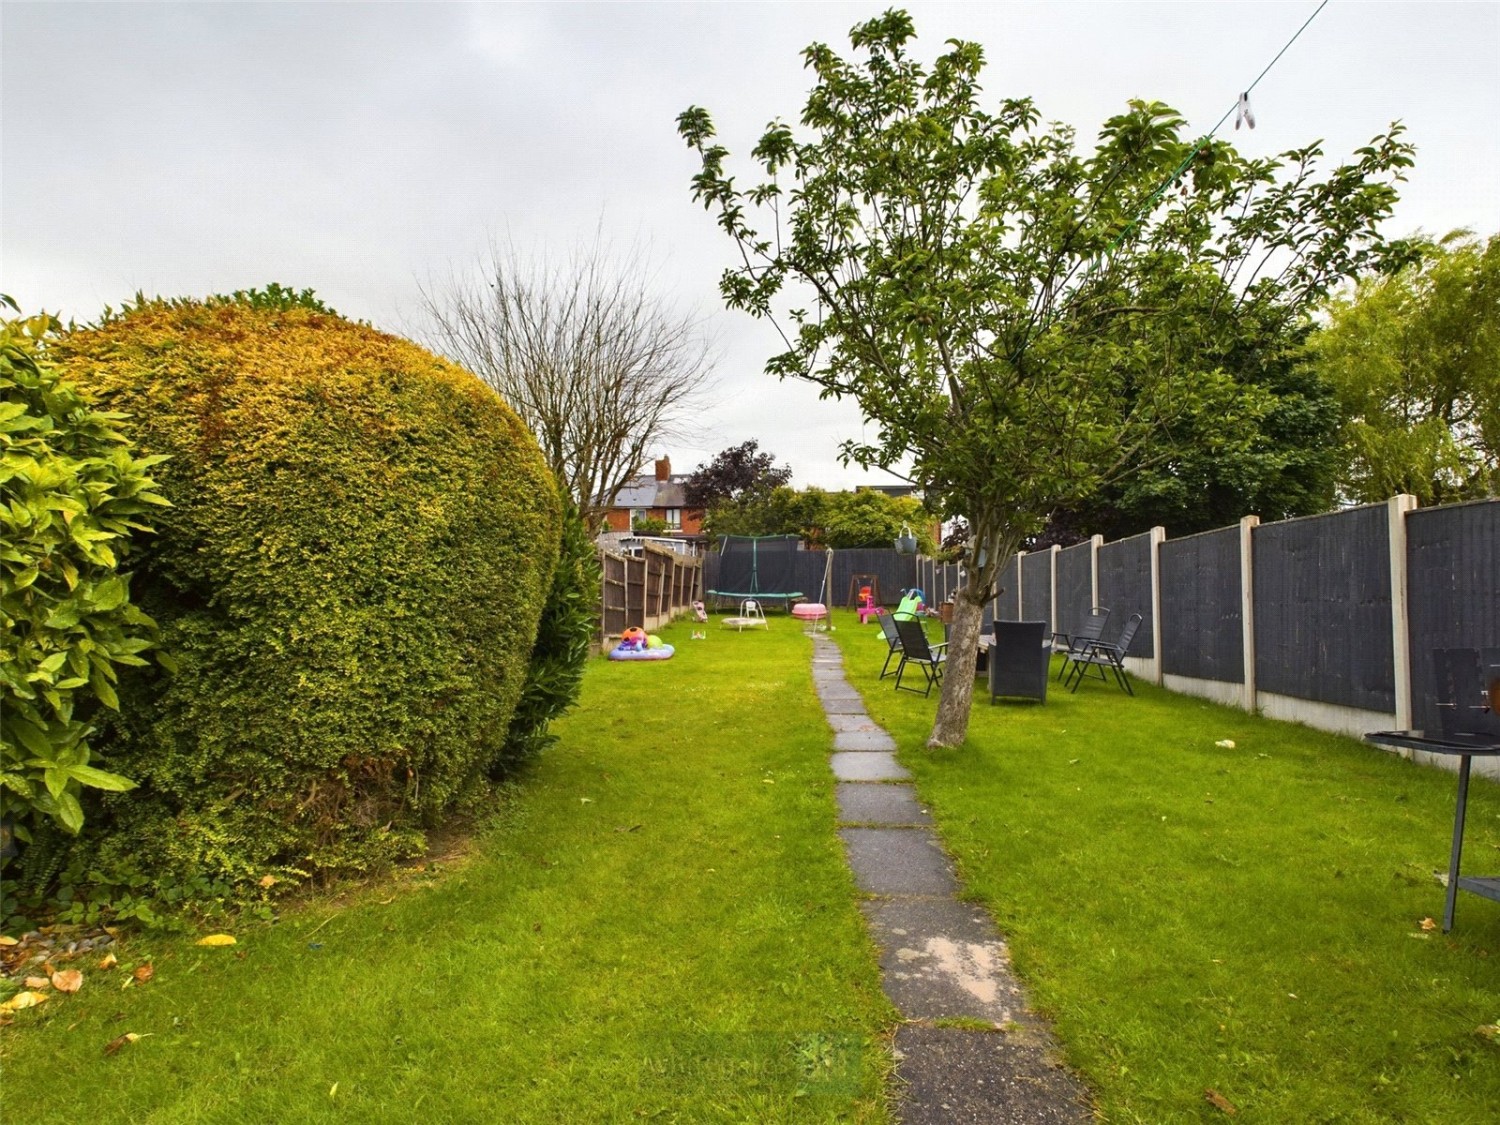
(658, 496)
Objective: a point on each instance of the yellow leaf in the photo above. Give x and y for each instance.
(268, 880)
(40, 983)
(23, 1000)
(1428, 924)
(216, 939)
(69, 980)
(6, 939)
(109, 961)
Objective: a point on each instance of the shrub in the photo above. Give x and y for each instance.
(70, 495)
(569, 621)
(350, 580)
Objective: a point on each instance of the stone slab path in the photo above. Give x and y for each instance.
(941, 960)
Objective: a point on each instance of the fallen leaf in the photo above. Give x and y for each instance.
(39, 983)
(1220, 1102)
(6, 939)
(216, 940)
(268, 880)
(1224, 744)
(108, 961)
(120, 1040)
(69, 980)
(334, 1089)
(1490, 1031)
(1428, 924)
(143, 973)
(23, 1000)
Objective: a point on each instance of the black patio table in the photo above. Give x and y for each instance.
(1467, 747)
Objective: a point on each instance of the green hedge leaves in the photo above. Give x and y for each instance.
(350, 578)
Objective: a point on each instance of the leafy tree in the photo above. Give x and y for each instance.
(1020, 321)
(1415, 361)
(596, 364)
(71, 495)
(735, 473)
(866, 518)
(1285, 468)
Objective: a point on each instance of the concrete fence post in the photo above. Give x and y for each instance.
(1396, 509)
(1020, 590)
(1248, 524)
(1158, 537)
(1095, 542)
(1052, 568)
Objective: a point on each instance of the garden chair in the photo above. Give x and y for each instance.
(1091, 629)
(1018, 660)
(915, 649)
(892, 640)
(1105, 654)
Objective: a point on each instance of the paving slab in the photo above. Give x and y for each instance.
(943, 959)
(898, 861)
(850, 704)
(956, 1077)
(861, 802)
(875, 739)
(859, 723)
(866, 765)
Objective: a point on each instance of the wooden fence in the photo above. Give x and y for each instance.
(646, 591)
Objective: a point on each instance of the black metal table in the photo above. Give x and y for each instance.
(1467, 747)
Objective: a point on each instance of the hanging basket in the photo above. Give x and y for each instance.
(906, 542)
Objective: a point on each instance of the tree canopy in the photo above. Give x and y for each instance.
(1414, 359)
(733, 474)
(1022, 321)
(841, 520)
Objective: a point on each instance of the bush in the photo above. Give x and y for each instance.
(70, 495)
(569, 621)
(350, 580)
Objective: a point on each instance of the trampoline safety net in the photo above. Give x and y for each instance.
(758, 567)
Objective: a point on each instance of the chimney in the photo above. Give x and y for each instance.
(663, 469)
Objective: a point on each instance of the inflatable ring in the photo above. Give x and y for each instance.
(663, 653)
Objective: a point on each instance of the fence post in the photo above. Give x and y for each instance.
(1095, 542)
(1158, 537)
(1052, 567)
(1020, 557)
(1248, 524)
(1396, 508)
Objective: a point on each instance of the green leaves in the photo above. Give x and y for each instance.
(69, 490)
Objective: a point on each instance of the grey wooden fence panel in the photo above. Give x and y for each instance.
(1036, 586)
(1009, 597)
(1125, 586)
(1452, 589)
(1075, 586)
(1323, 609)
(1202, 619)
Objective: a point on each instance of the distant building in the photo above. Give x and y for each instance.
(659, 497)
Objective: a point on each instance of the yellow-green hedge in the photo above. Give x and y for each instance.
(350, 579)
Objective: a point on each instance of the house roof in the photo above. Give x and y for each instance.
(648, 492)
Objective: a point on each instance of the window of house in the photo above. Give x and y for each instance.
(674, 517)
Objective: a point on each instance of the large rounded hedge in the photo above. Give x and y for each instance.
(350, 579)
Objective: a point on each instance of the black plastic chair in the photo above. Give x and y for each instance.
(1105, 655)
(916, 649)
(1018, 660)
(1088, 631)
(892, 640)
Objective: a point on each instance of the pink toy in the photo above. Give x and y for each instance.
(867, 607)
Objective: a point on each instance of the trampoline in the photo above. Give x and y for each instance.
(762, 567)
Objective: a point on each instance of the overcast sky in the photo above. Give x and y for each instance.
(186, 149)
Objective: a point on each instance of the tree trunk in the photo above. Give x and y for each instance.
(952, 723)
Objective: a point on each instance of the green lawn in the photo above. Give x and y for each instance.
(1244, 920)
(661, 927)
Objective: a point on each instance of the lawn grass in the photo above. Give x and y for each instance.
(660, 927)
(1240, 920)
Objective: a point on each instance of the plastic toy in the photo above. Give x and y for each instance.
(637, 644)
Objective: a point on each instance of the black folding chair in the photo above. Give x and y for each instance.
(915, 649)
(1089, 631)
(1105, 654)
(892, 640)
